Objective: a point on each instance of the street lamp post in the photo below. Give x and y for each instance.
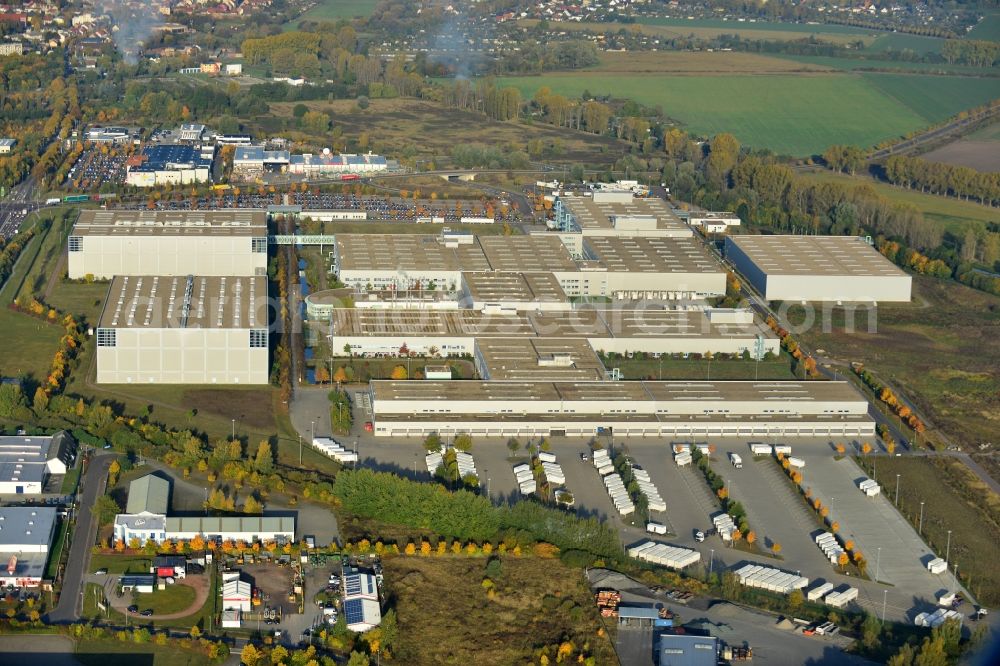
(878, 561)
(947, 550)
(312, 432)
(896, 501)
(885, 597)
(300, 450)
(711, 562)
(920, 530)
(234, 429)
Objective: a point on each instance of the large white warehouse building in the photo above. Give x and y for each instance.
(106, 243)
(184, 330)
(818, 268)
(632, 409)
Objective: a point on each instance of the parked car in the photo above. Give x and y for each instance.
(147, 612)
(699, 536)
(133, 609)
(101, 572)
(584, 457)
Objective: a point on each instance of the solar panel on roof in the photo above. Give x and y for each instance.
(354, 611)
(352, 585)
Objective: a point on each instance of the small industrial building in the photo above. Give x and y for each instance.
(686, 650)
(843, 269)
(617, 213)
(713, 222)
(141, 583)
(169, 566)
(254, 161)
(107, 243)
(237, 594)
(26, 534)
(27, 461)
(170, 164)
(628, 409)
(361, 601)
(115, 135)
(145, 511)
(184, 330)
(326, 163)
(235, 528)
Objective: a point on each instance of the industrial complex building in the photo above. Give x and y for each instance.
(611, 213)
(26, 534)
(146, 519)
(27, 461)
(106, 243)
(184, 330)
(629, 267)
(170, 164)
(628, 409)
(254, 161)
(842, 269)
(608, 329)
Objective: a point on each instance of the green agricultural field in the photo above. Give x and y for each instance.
(790, 114)
(872, 61)
(333, 10)
(901, 41)
(108, 652)
(819, 29)
(988, 28)
(761, 31)
(954, 215)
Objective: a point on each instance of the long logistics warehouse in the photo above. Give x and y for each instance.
(184, 330)
(632, 409)
(818, 268)
(106, 243)
(672, 268)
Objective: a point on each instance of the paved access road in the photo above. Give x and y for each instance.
(92, 485)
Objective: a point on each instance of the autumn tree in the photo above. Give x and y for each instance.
(399, 372)
(751, 537)
(775, 547)
(250, 655)
(252, 506)
(340, 376)
(264, 459)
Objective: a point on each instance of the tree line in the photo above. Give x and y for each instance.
(943, 179)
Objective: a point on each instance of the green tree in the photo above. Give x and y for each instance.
(904, 657)
(250, 655)
(513, 445)
(870, 630)
(463, 442)
(433, 443)
(358, 659)
(795, 598)
(730, 586)
(931, 653)
(264, 460)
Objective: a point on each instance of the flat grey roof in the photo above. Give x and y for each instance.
(231, 524)
(401, 252)
(151, 302)
(621, 391)
(596, 212)
(25, 526)
(514, 287)
(833, 256)
(235, 222)
(539, 359)
(651, 255)
(585, 322)
(528, 253)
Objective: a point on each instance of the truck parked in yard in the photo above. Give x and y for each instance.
(736, 460)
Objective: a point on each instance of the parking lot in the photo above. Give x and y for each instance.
(873, 523)
(96, 166)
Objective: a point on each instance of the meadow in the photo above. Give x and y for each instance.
(791, 114)
(953, 215)
(902, 41)
(333, 10)
(988, 28)
(709, 30)
(942, 351)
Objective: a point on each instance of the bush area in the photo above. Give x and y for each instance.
(496, 611)
(465, 515)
